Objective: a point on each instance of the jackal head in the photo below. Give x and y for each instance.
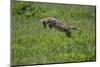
(44, 22)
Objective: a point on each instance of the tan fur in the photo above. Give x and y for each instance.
(58, 24)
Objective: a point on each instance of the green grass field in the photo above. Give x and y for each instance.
(32, 44)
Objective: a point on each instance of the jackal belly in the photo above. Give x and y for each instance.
(62, 28)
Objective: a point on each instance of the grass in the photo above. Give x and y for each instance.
(32, 44)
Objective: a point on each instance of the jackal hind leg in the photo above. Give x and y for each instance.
(69, 34)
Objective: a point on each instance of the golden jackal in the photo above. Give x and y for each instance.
(58, 24)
